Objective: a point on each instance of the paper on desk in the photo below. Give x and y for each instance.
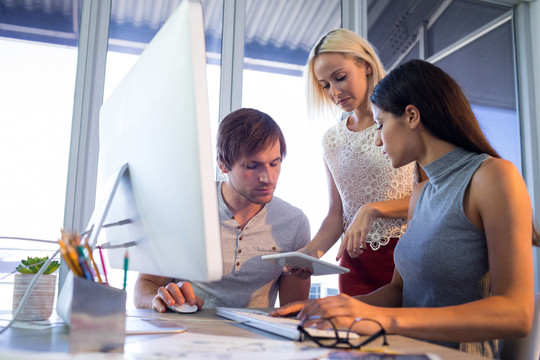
(6, 317)
(35, 325)
(33, 355)
(201, 346)
(187, 346)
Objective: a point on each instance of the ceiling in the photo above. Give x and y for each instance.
(280, 33)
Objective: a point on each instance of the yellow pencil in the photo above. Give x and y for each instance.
(75, 260)
(65, 255)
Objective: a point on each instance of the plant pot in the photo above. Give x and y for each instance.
(39, 303)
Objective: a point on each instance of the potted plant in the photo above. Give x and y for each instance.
(39, 303)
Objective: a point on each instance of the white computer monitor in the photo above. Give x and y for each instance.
(157, 122)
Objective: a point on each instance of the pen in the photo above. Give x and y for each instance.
(87, 247)
(103, 265)
(126, 262)
(84, 264)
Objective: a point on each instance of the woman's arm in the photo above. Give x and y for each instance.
(293, 289)
(389, 295)
(355, 235)
(332, 225)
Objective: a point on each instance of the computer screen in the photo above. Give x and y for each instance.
(157, 122)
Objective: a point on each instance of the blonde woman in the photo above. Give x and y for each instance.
(368, 198)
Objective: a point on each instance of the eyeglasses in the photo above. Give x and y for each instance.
(345, 338)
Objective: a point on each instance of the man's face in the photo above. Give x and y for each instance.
(255, 178)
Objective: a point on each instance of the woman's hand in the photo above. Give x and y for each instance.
(290, 309)
(341, 309)
(354, 240)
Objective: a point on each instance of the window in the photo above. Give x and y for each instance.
(277, 46)
(37, 68)
(471, 15)
(479, 54)
(488, 81)
(130, 30)
(315, 291)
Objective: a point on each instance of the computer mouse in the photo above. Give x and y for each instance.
(185, 308)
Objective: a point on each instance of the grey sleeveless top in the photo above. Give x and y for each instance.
(443, 257)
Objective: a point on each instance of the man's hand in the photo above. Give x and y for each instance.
(176, 293)
(300, 271)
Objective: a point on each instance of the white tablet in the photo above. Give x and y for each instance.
(299, 259)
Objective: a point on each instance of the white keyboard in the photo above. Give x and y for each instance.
(286, 327)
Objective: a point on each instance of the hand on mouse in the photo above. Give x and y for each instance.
(176, 294)
(185, 308)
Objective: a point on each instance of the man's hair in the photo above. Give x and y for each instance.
(245, 132)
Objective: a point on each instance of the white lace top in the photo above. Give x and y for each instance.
(362, 175)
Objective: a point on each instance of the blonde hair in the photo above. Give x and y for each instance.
(351, 45)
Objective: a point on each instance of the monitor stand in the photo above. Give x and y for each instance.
(119, 189)
(119, 204)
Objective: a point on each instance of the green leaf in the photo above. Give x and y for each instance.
(32, 265)
(23, 270)
(53, 266)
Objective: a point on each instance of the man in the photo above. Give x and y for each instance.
(250, 148)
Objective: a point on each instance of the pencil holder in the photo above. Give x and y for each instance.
(96, 315)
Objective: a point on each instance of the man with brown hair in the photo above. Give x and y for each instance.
(250, 149)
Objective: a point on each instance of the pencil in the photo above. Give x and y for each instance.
(84, 264)
(87, 247)
(74, 260)
(66, 257)
(103, 265)
(126, 262)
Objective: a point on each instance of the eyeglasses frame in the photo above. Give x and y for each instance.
(339, 340)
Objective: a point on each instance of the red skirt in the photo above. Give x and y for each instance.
(371, 270)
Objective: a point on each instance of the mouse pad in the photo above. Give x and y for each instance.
(139, 326)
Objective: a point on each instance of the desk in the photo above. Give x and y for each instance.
(200, 324)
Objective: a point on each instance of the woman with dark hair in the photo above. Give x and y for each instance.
(464, 269)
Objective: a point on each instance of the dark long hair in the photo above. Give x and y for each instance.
(445, 111)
